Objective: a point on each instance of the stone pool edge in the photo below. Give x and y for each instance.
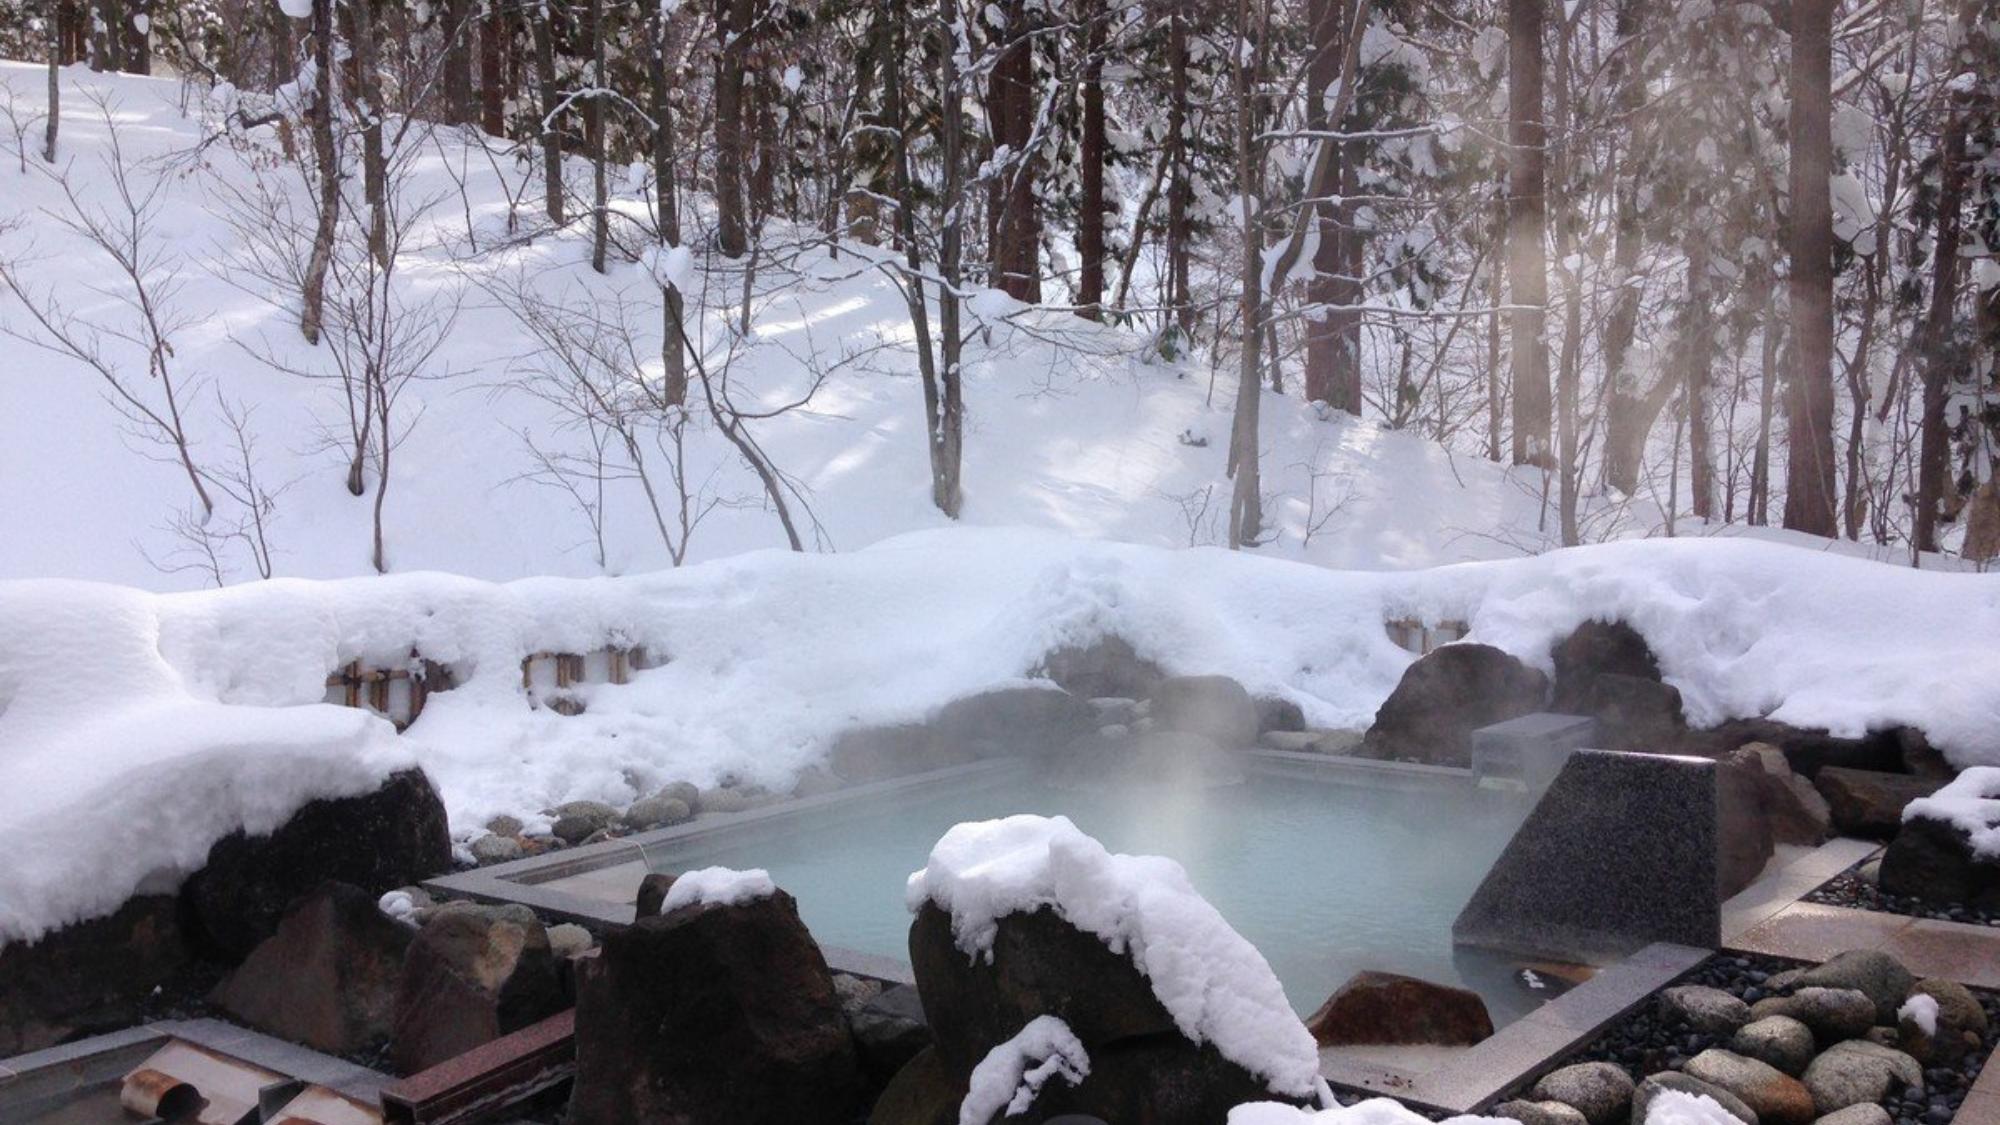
(1477, 1077)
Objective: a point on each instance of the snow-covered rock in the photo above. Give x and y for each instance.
(1215, 985)
(717, 886)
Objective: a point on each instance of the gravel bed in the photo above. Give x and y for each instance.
(1644, 1043)
(1849, 889)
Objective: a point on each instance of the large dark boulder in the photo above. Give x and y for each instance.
(1444, 697)
(378, 841)
(1158, 1082)
(1215, 707)
(1933, 860)
(1808, 749)
(91, 976)
(327, 978)
(1635, 713)
(1794, 809)
(873, 753)
(1598, 648)
(1108, 666)
(1141, 1068)
(472, 975)
(1040, 965)
(713, 1013)
(1016, 720)
(1869, 803)
(1743, 839)
(1375, 1007)
(889, 1030)
(922, 1093)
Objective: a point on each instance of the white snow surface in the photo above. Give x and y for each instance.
(1971, 802)
(1094, 438)
(717, 886)
(1921, 1009)
(117, 773)
(1215, 984)
(1008, 1078)
(1678, 1107)
(1374, 1111)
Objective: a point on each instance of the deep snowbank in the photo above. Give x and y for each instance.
(117, 773)
(112, 700)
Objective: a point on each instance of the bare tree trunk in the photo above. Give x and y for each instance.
(948, 439)
(732, 27)
(1017, 238)
(138, 48)
(1246, 505)
(1526, 221)
(106, 44)
(1495, 394)
(493, 38)
(762, 98)
(1934, 340)
(1809, 473)
(1697, 357)
(667, 204)
(1759, 508)
(594, 108)
(368, 109)
(326, 155)
(1327, 358)
(457, 62)
(1180, 195)
(55, 81)
(1090, 214)
(545, 78)
(1626, 423)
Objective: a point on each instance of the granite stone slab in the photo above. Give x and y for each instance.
(1620, 852)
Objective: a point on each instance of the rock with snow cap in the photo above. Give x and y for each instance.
(686, 1014)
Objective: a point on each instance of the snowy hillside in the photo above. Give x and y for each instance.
(1069, 427)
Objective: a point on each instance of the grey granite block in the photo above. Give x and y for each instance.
(1529, 749)
(1619, 853)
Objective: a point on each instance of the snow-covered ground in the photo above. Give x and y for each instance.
(1069, 426)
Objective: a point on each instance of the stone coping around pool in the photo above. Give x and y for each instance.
(1473, 1079)
(42, 1076)
(524, 880)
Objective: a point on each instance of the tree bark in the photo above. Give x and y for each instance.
(545, 79)
(1934, 338)
(1246, 505)
(1697, 358)
(732, 26)
(493, 37)
(594, 108)
(1333, 333)
(1017, 233)
(1809, 465)
(666, 203)
(368, 110)
(326, 155)
(49, 129)
(1626, 421)
(457, 62)
(1090, 212)
(1180, 195)
(1527, 268)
